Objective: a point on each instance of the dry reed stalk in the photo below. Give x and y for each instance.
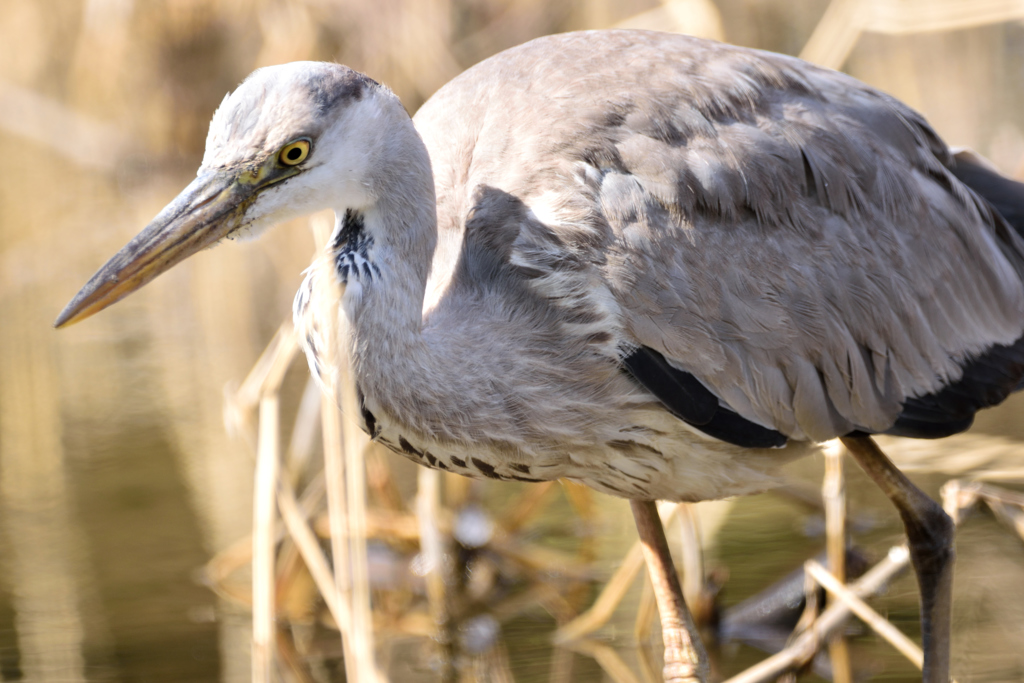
(331, 425)
(959, 497)
(845, 20)
(929, 16)
(835, 35)
(693, 17)
(361, 615)
(692, 557)
(344, 445)
(225, 563)
(292, 665)
(415, 624)
(264, 542)
(877, 622)
(238, 554)
(812, 606)
(309, 549)
(268, 372)
(296, 592)
(604, 606)
(272, 368)
(834, 496)
(1013, 518)
(382, 524)
(304, 432)
(381, 481)
(334, 479)
(434, 559)
(803, 647)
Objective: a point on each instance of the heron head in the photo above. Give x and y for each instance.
(291, 140)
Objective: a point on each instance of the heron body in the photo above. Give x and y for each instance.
(790, 241)
(650, 263)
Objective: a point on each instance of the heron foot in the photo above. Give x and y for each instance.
(681, 665)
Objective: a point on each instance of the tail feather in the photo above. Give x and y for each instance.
(1004, 195)
(990, 377)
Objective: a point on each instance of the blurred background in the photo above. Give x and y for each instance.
(118, 479)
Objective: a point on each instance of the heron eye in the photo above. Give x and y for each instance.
(294, 153)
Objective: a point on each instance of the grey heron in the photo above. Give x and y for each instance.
(656, 265)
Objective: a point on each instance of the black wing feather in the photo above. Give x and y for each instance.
(685, 397)
(987, 381)
(1004, 195)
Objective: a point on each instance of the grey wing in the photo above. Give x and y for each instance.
(812, 261)
(787, 236)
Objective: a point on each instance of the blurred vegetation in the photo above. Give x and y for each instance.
(117, 477)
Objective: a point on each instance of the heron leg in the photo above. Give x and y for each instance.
(685, 658)
(930, 537)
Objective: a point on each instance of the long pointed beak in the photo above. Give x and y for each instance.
(206, 211)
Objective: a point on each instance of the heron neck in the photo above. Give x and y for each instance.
(383, 301)
(398, 222)
(386, 296)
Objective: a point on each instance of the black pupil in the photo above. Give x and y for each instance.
(294, 153)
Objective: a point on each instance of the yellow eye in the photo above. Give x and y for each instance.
(294, 153)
